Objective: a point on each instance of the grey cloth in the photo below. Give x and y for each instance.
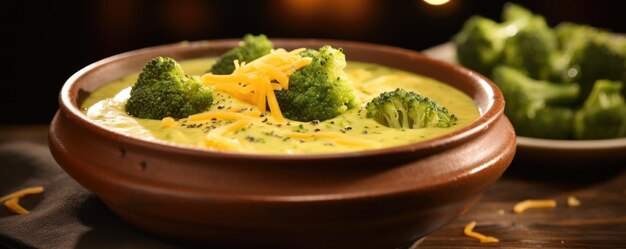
(66, 215)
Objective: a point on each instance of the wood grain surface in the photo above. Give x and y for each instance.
(599, 222)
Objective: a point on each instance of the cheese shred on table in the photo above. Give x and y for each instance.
(573, 201)
(256, 81)
(11, 201)
(483, 239)
(522, 206)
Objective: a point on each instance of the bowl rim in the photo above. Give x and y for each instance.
(488, 117)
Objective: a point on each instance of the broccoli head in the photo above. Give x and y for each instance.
(514, 13)
(518, 87)
(320, 90)
(572, 38)
(163, 90)
(536, 108)
(251, 48)
(603, 114)
(532, 49)
(552, 122)
(603, 57)
(402, 109)
(479, 44)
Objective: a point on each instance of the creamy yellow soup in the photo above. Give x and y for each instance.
(264, 135)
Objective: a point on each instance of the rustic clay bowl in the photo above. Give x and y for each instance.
(386, 198)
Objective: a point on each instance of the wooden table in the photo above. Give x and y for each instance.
(600, 221)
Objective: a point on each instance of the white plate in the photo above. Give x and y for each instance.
(547, 152)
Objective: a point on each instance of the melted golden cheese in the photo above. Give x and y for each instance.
(264, 132)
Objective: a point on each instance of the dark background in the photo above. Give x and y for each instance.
(45, 42)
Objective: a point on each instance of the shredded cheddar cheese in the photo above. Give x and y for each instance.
(217, 139)
(13, 205)
(573, 201)
(336, 137)
(468, 231)
(522, 206)
(256, 81)
(223, 115)
(11, 201)
(169, 122)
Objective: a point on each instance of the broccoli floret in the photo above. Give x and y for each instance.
(319, 91)
(402, 109)
(536, 108)
(514, 13)
(604, 113)
(479, 44)
(550, 122)
(163, 90)
(481, 41)
(516, 85)
(251, 48)
(572, 38)
(603, 57)
(532, 49)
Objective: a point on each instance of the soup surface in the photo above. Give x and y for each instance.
(351, 131)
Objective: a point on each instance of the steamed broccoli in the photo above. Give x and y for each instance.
(572, 38)
(603, 57)
(604, 113)
(163, 90)
(546, 74)
(552, 122)
(481, 41)
(515, 14)
(536, 108)
(479, 44)
(402, 109)
(251, 48)
(532, 49)
(320, 90)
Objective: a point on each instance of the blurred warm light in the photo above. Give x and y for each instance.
(436, 2)
(185, 18)
(116, 22)
(344, 15)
